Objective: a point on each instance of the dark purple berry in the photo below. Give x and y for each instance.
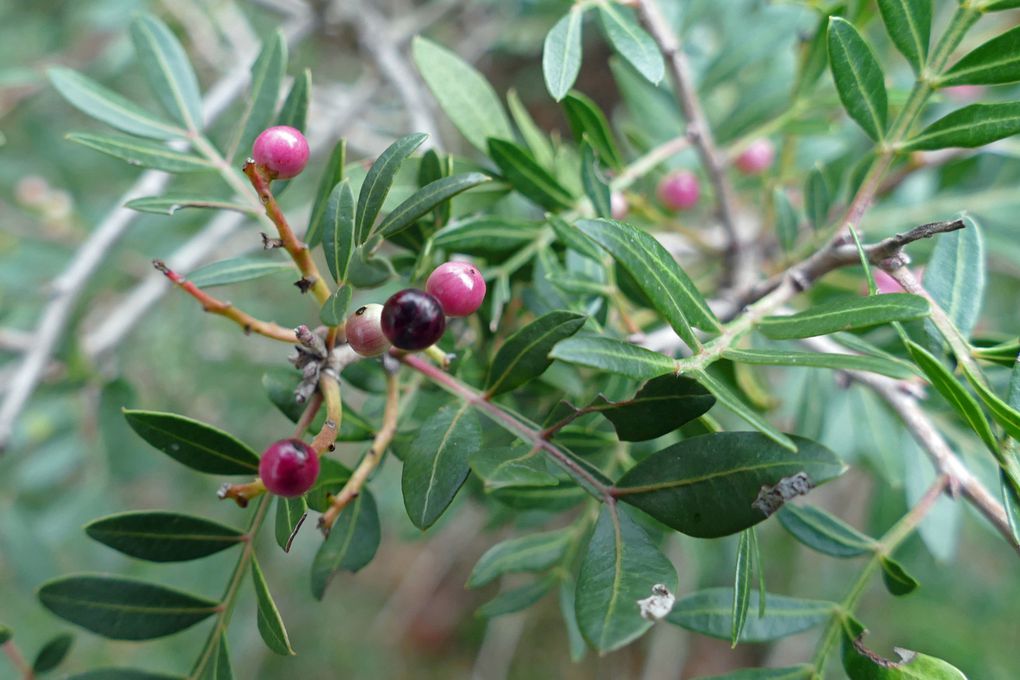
(289, 467)
(412, 319)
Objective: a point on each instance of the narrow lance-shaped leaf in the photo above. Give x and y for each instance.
(237, 270)
(735, 403)
(1002, 412)
(709, 612)
(817, 199)
(170, 204)
(426, 199)
(823, 532)
(721, 483)
(217, 668)
(105, 105)
(614, 356)
(485, 235)
(909, 26)
(993, 63)
(535, 138)
(969, 127)
(52, 653)
(266, 76)
(331, 176)
(534, 552)
(561, 54)
(596, 188)
(290, 515)
(162, 536)
(799, 672)
(661, 406)
(192, 443)
(850, 362)
(524, 173)
(955, 275)
(525, 354)
(142, 153)
(631, 41)
(270, 624)
(334, 309)
(124, 674)
(859, 78)
(587, 121)
(515, 599)
(741, 586)
(379, 180)
(351, 544)
(620, 567)
(845, 314)
(339, 231)
(167, 70)
(294, 111)
(787, 220)
(122, 608)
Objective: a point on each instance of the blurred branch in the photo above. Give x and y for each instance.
(17, 660)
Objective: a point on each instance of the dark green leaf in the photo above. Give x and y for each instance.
(515, 599)
(955, 275)
(437, 463)
(661, 406)
(850, 362)
(572, 237)
(122, 674)
(823, 532)
(368, 270)
(845, 314)
(5, 634)
(999, 5)
(657, 274)
(721, 483)
(897, 580)
(909, 25)
(1002, 412)
(787, 220)
(331, 176)
(426, 199)
(192, 443)
(290, 515)
(993, 63)
(218, 667)
(379, 180)
(266, 76)
(567, 610)
(522, 171)
(294, 111)
(500, 467)
(142, 153)
(52, 653)
(535, 552)
(525, 354)
(338, 233)
(162, 536)
(1011, 502)
(817, 199)
(168, 205)
(596, 187)
(334, 309)
(709, 612)
(238, 269)
(613, 356)
(801, 672)
(561, 53)
(280, 390)
(332, 477)
(123, 609)
(167, 70)
(485, 235)
(103, 104)
(270, 624)
(631, 41)
(735, 403)
(620, 567)
(351, 544)
(534, 137)
(969, 127)
(741, 587)
(859, 78)
(587, 121)
(463, 93)
(860, 663)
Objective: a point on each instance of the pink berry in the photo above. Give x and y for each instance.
(282, 150)
(364, 332)
(289, 467)
(964, 93)
(618, 205)
(679, 190)
(757, 157)
(458, 286)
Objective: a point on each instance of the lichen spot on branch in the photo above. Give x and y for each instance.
(771, 498)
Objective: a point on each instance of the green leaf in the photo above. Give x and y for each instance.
(190, 442)
(142, 153)
(661, 406)
(238, 269)
(522, 171)
(280, 390)
(741, 587)
(954, 393)
(993, 63)
(845, 314)
(334, 309)
(379, 179)
(567, 611)
(426, 199)
(162, 536)
(908, 23)
(351, 543)
(437, 462)
(515, 599)
(290, 515)
(955, 275)
(860, 663)
(338, 230)
(734, 403)
(122, 674)
(270, 624)
(614, 356)
(858, 76)
(969, 127)
(657, 274)
(817, 199)
(1011, 502)
(168, 205)
(332, 477)
(52, 653)
(596, 188)
(5, 634)
(709, 612)
(167, 70)
(722, 483)
(999, 5)
(587, 121)
(534, 137)
(218, 667)
(787, 220)
(561, 53)
(294, 111)
(535, 552)
(332, 175)
(897, 580)
(266, 76)
(485, 235)
(572, 237)
(849, 362)
(631, 41)
(1003, 413)
(525, 354)
(500, 467)
(823, 532)
(620, 567)
(801, 672)
(121, 608)
(463, 94)
(105, 105)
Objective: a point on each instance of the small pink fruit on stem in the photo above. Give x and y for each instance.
(458, 286)
(757, 157)
(679, 190)
(289, 467)
(282, 151)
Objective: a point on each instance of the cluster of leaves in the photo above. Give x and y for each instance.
(638, 455)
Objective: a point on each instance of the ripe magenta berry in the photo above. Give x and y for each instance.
(412, 319)
(289, 467)
(458, 286)
(282, 150)
(618, 205)
(757, 157)
(364, 332)
(679, 190)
